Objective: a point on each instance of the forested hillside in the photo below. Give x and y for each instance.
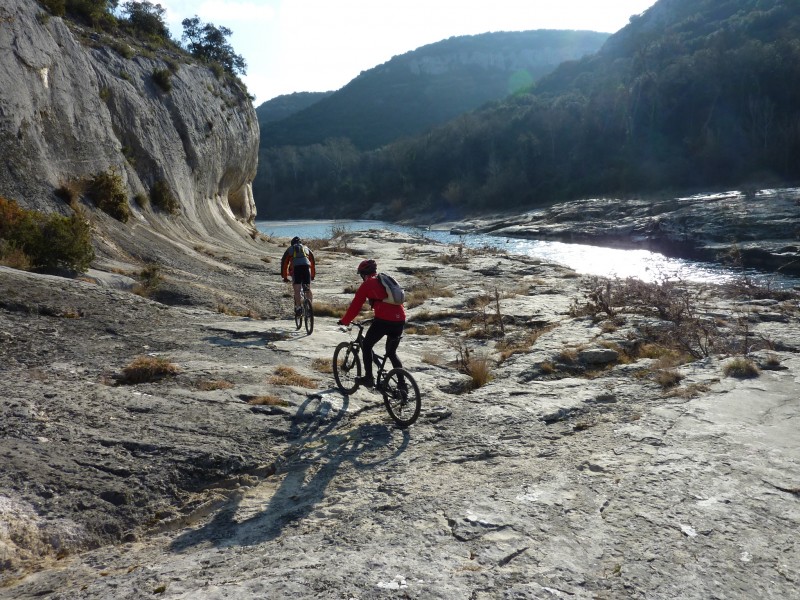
(430, 86)
(285, 106)
(406, 96)
(693, 93)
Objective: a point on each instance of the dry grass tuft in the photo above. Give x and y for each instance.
(323, 365)
(741, 368)
(547, 367)
(689, 391)
(479, 368)
(568, 355)
(213, 384)
(288, 376)
(432, 358)
(667, 378)
(325, 309)
(431, 329)
(232, 311)
(509, 346)
(428, 286)
(267, 400)
(146, 369)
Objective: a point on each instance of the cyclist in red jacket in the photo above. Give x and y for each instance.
(389, 321)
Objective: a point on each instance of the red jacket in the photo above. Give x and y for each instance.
(372, 289)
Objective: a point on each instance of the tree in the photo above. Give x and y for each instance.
(209, 43)
(96, 13)
(147, 18)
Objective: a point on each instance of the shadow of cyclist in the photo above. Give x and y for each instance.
(308, 467)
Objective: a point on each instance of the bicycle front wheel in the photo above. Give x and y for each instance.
(401, 397)
(346, 367)
(308, 315)
(298, 317)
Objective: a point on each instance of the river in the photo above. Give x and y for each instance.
(583, 258)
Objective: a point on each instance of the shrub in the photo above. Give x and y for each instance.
(108, 192)
(161, 196)
(11, 256)
(56, 7)
(32, 240)
(94, 13)
(149, 280)
(163, 79)
(125, 51)
(70, 191)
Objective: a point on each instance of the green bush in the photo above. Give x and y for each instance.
(163, 79)
(149, 280)
(56, 7)
(32, 240)
(161, 196)
(95, 13)
(109, 194)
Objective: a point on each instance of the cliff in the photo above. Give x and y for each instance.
(75, 103)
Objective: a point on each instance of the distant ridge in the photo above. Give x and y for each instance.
(429, 86)
(286, 105)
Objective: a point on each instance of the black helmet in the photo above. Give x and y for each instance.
(295, 240)
(367, 267)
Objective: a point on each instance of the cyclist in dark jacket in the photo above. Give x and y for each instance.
(298, 261)
(389, 319)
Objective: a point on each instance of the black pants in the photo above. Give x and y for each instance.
(393, 330)
(301, 274)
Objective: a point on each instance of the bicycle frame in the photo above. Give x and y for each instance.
(306, 314)
(397, 386)
(377, 359)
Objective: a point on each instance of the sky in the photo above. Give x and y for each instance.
(321, 45)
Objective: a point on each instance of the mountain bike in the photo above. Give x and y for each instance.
(400, 392)
(306, 314)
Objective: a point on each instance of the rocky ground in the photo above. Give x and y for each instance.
(592, 460)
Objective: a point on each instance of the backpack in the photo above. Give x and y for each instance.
(299, 249)
(396, 295)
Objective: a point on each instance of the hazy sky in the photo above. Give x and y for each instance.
(320, 45)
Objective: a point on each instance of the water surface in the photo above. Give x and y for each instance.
(583, 258)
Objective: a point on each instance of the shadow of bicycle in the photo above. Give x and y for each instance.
(319, 447)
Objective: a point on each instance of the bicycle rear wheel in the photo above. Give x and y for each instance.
(401, 397)
(308, 315)
(346, 367)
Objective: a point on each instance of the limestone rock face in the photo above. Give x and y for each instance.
(75, 103)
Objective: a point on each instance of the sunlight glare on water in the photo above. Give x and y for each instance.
(584, 259)
(614, 262)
